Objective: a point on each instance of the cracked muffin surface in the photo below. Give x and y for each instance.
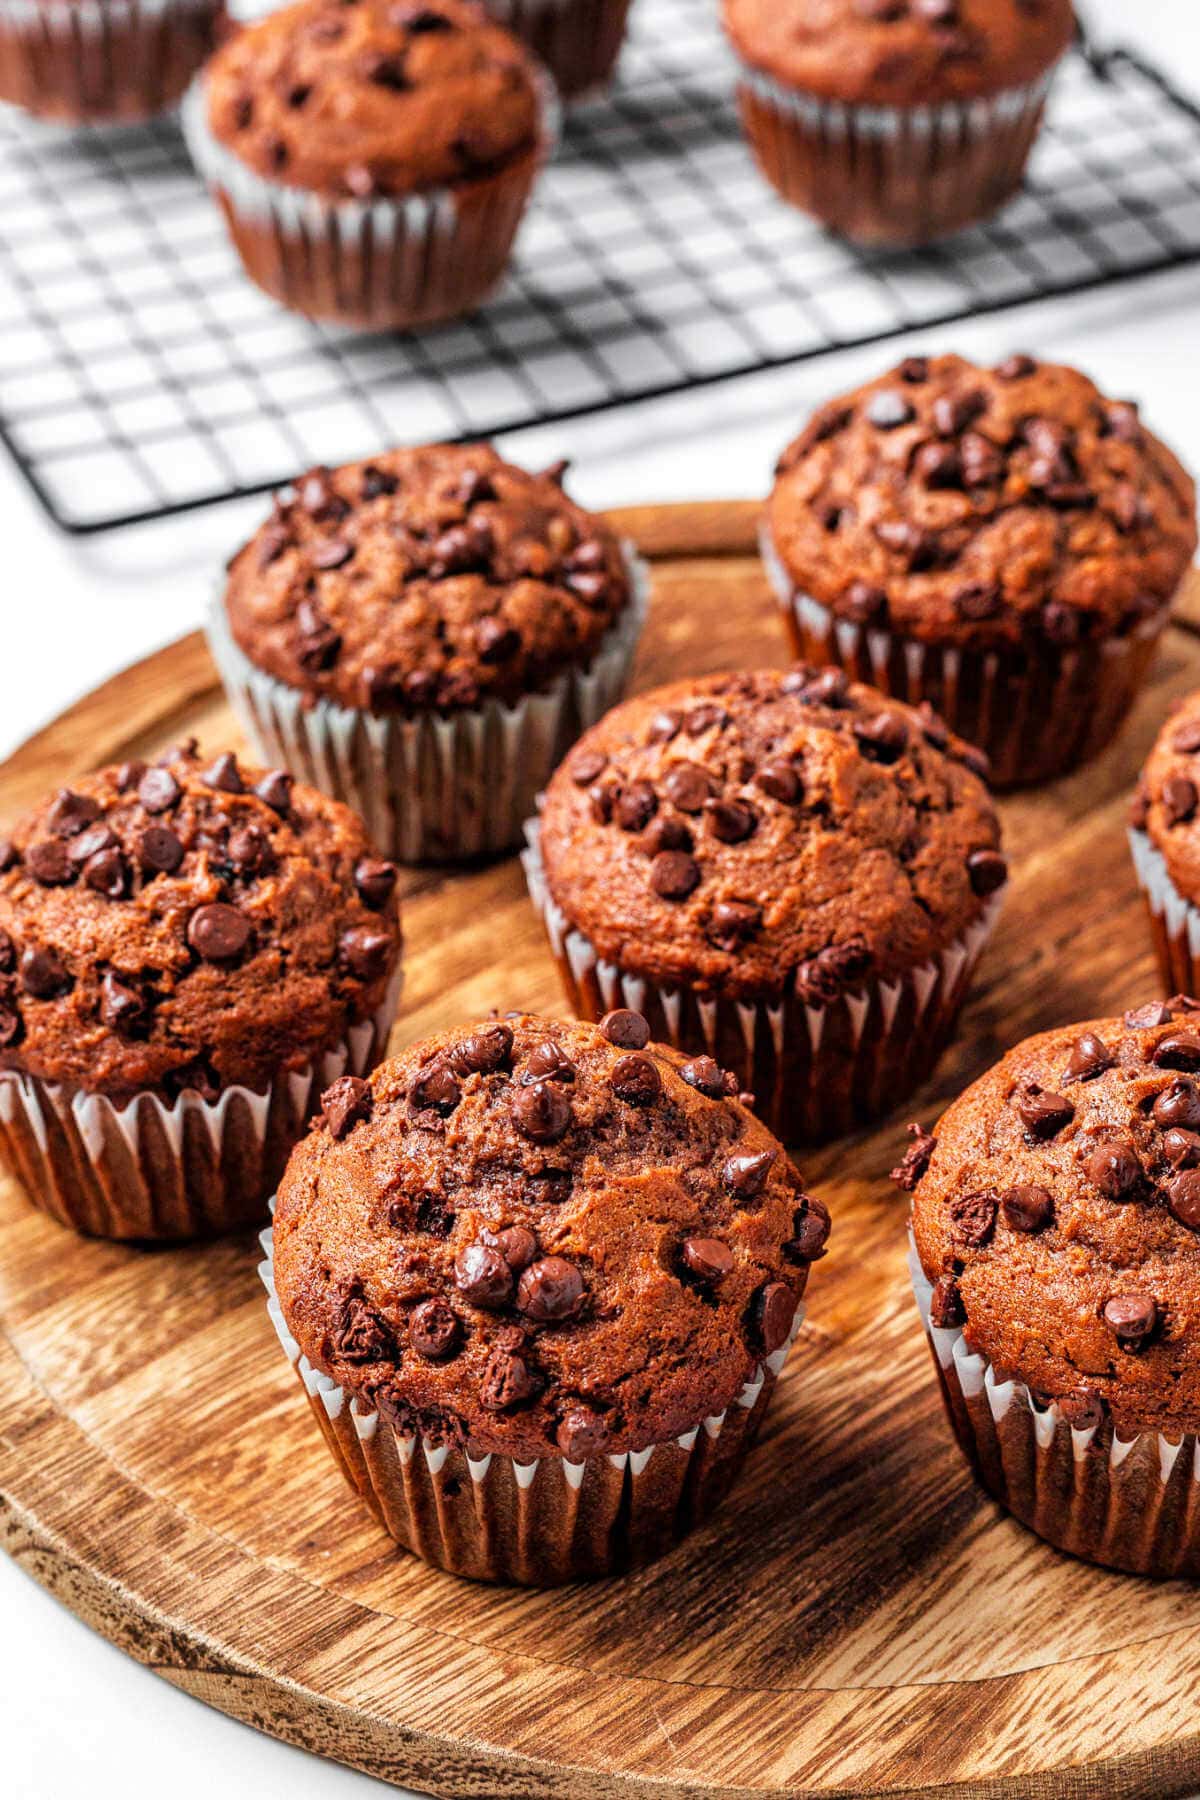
(1056, 1209)
(539, 1238)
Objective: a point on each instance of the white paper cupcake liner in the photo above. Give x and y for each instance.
(816, 1072)
(188, 1168)
(385, 263)
(1174, 921)
(892, 174)
(101, 61)
(578, 41)
(433, 789)
(1129, 1503)
(1035, 715)
(537, 1523)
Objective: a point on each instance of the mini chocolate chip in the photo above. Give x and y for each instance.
(1180, 1050)
(706, 1258)
(1090, 1056)
(1179, 799)
(434, 1330)
(435, 1089)
(482, 1276)
(44, 973)
(810, 1230)
(123, 1007)
(1178, 1104)
(987, 872)
(484, 1051)
(345, 1104)
(547, 1061)
(730, 821)
(107, 873)
(158, 790)
(733, 923)
(780, 780)
(745, 1177)
(580, 1434)
(625, 1028)
(887, 410)
(365, 953)
(946, 1309)
(71, 813)
(275, 791)
(1015, 367)
(225, 775)
(771, 1313)
(160, 850)
(687, 786)
(1130, 1317)
(972, 1218)
(507, 1380)
(1044, 1115)
(49, 863)
(635, 806)
(916, 1158)
(703, 1074)
(541, 1112)
(1183, 1198)
(1026, 1208)
(636, 1080)
(1181, 1148)
(1145, 1018)
(217, 932)
(550, 1289)
(674, 874)
(1113, 1169)
(883, 736)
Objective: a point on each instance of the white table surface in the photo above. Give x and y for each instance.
(76, 1714)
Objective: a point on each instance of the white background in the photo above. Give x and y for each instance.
(75, 1715)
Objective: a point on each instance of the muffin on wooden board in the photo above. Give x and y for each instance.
(1056, 1222)
(99, 62)
(785, 872)
(189, 953)
(372, 160)
(538, 1279)
(1004, 543)
(1164, 836)
(578, 41)
(895, 121)
(423, 636)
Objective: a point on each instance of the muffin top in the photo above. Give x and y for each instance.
(983, 507)
(1059, 1216)
(542, 1238)
(434, 578)
(1166, 805)
(900, 52)
(194, 924)
(373, 97)
(748, 833)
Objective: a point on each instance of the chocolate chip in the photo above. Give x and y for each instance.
(972, 1218)
(9, 857)
(635, 806)
(123, 1007)
(1178, 1104)
(674, 874)
(249, 851)
(946, 1309)
(987, 872)
(484, 1051)
(435, 1090)
(703, 1074)
(275, 791)
(49, 863)
(706, 1258)
(482, 1276)
(1145, 1018)
(914, 369)
(730, 821)
(217, 932)
(516, 1244)
(1186, 738)
(1044, 1115)
(1123, 421)
(1181, 1148)
(982, 464)
(496, 641)
(746, 1176)
(541, 1112)
(318, 643)
(864, 604)
(665, 833)
(158, 790)
(916, 1159)
(1180, 1050)
(547, 1061)
(1130, 1317)
(707, 716)
(71, 813)
(821, 979)
(1183, 1198)
(580, 1434)
(887, 410)
(883, 737)
(978, 600)
(733, 923)
(1179, 799)
(1027, 1208)
(434, 1331)
(771, 1313)
(365, 953)
(507, 1380)
(44, 973)
(550, 1289)
(1015, 368)
(346, 1104)
(687, 786)
(1090, 1056)
(636, 1080)
(360, 1335)
(781, 781)
(664, 726)
(810, 1230)
(128, 775)
(600, 800)
(625, 1028)
(952, 413)
(938, 466)
(8, 952)
(12, 1027)
(159, 850)
(587, 766)
(225, 775)
(1113, 1169)
(96, 837)
(107, 873)
(831, 687)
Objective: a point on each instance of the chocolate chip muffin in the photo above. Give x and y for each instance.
(425, 634)
(541, 1277)
(784, 871)
(895, 121)
(1055, 1215)
(1004, 543)
(88, 62)
(1164, 836)
(372, 159)
(578, 41)
(189, 952)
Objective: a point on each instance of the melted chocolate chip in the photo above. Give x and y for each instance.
(482, 1276)
(1178, 1104)
(635, 806)
(1179, 1050)
(687, 786)
(507, 1381)
(1044, 1115)
(541, 1112)
(625, 1028)
(364, 952)
(44, 975)
(810, 1230)
(550, 1289)
(636, 1080)
(946, 1309)
(547, 1061)
(674, 874)
(731, 821)
(1090, 1056)
(434, 1331)
(581, 1433)
(1183, 1198)
(706, 1258)
(1027, 1208)
(71, 813)
(732, 923)
(972, 1218)
(484, 1051)
(1130, 1317)
(706, 1076)
(916, 1159)
(1113, 1169)
(49, 863)
(435, 1090)
(770, 1318)
(124, 1008)
(1179, 799)
(781, 781)
(745, 1177)
(346, 1104)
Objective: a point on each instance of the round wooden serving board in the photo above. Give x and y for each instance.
(856, 1620)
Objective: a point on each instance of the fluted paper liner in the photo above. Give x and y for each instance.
(1174, 921)
(816, 1072)
(433, 789)
(887, 174)
(153, 1170)
(1129, 1503)
(577, 40)
(1037, 714)
(101, 62)
(536, 1523)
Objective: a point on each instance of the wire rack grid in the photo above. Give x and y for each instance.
(142, 374)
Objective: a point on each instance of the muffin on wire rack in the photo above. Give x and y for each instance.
(103, 62)
(578, 41)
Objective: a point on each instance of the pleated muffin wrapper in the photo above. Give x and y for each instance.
(1174, 921)
(433, 789)
(816, 1072)
(387, 263)
(102, 62)
(540, 1523)
(578, 41)
(156, 1170)
(887, 174)
(1129, 1503)
(1037, 714)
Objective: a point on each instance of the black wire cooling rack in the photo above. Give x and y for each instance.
(142, 374)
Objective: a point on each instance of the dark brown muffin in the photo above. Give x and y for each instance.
(771, 857)
(529, 1240)
(1011, 514)
(429, 585)
(578, 41)
(1165, 840)
(184, 930)
(1056, 1214)
(91, 63)
(895, 121)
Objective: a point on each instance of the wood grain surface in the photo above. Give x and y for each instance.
(857, 1619)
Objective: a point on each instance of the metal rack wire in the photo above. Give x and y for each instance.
(142, 374)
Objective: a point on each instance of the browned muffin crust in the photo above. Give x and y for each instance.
(374, 97)
(1166, 804)
(434, 578)
(193, 924)
(745, 832)
(542, 1239)
(974, 506)
(1059, 1216)
(900, 52)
